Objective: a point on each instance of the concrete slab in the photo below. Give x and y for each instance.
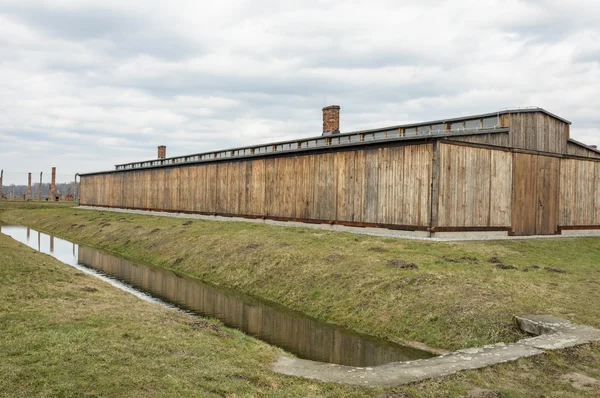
(580, 232)
(405, 372)
(554, 333)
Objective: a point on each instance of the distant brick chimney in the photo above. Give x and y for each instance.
(162, 152)
(331, 120)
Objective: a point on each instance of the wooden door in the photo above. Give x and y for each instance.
(548, 177)
(535, 194)
(524, 203)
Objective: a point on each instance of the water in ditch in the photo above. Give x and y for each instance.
(305, 337)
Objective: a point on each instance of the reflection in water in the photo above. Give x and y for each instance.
(295, 333)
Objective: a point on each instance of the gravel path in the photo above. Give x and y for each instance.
(414, 235)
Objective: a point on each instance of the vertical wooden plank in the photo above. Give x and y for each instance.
(289, 187)
(397, 158)
(185, 192)
(245, 194)
(258, 187)
(524, 207)
(460, 218)
(410, 167)
(300, 177)
(570, 195)
(359, 186)
(435, 184)
(176, 187)
(444, 191)
(484, 185)
(232, 188)
(222, 175)
(500, 189)
(199, 178)
(283, 178)
(271, 192)
(341, 172)
(279, 175)
(596, 194)
(326, 204)
(425, 195)
(371, 184)
(548, 195)
(211, 188)
(166, 181)
(173, 183)
(470, 204)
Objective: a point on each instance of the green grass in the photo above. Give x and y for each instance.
(61, 340)
(345, 278)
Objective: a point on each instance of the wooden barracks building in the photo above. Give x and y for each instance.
(514, 172)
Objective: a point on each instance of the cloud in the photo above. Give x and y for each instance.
(89, 84)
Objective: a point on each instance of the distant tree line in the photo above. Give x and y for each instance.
(20, 190)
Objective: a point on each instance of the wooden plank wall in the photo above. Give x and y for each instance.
(579, 193)
(538, 131)
(578, 150)
(387, 185)
(497, 139)
(474, 187)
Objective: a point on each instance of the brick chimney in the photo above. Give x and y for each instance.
(331, 120)
(162, 152)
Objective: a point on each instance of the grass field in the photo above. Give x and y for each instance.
(454, 299)
(65, 333)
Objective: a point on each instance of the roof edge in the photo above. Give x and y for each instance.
(581, 144)
(303, 150)
(409, 125)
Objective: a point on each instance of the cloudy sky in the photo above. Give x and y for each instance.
(86, 84)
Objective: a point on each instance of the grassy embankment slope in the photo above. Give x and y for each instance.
(65, 333)
(343, 278)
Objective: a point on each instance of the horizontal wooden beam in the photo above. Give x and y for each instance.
(516, 150)
(576, 227)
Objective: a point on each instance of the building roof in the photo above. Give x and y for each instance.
(214, 156)
(411, 131)
(581, 144)
(506, 111)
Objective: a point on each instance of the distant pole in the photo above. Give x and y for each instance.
(76, 189)
(29, 186)
(40, 187)
(1, 187)
(53, 184)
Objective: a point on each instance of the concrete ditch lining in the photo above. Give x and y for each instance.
(552, 333)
